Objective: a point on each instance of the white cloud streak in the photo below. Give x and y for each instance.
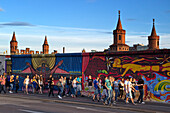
(73, 39)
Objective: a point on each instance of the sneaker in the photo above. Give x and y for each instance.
(133, 103)
(98, 100)
(142, 102)
(92, 99)
(127, 102)
(59, 97)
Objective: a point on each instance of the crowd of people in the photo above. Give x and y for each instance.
(111, 88)
(114, 88)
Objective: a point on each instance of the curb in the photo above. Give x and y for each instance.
(81, 103)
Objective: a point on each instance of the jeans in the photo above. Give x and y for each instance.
(116, 94)
(51, 91)
(2, 88)
(61, 91)
(74, 90)
(99, 91)
(110, 95)
(12, 86)
(141, 95)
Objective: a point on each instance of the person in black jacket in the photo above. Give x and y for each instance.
(16, 84)
(140, 87)
(51, 86)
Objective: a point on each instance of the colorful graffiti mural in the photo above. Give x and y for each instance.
(59, 64)
(154, 68)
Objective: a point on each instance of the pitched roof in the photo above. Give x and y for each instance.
(119, 25)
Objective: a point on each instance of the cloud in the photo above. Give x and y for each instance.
(1, 9)
(168, 11)
(131, 19)
(16, 24)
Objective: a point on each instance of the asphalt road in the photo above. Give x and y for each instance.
(22, 103)
(19, 105)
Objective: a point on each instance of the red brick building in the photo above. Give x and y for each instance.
(119, 38)
(153, 39)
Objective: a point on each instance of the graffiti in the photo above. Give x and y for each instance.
(65, 64)
(155, 70)
(2, 64)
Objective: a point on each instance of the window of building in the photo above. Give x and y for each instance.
(119, 48)
(123, 48)
(158, 43)
(119, 37)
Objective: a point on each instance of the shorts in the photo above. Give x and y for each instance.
(104, 92)
(129, 95)
(90, 88)
(96, 92)
(79, 88)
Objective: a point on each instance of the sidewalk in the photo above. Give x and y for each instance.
(147, 107)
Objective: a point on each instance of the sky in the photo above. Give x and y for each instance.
(81, 24)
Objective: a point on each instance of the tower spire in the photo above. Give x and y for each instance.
(45, 41)
(119, 25)
(153, 33)
(13, 37)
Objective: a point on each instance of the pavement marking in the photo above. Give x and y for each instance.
(84, 108)
(30, 111)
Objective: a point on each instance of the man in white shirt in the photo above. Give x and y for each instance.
(125, 88)
(129, 88)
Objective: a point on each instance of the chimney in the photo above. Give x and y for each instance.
(31, 52)
(37, 52)
(55, 51)
(83, 51)
(63, 49)
(27, 50)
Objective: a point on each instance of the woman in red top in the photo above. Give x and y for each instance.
(3, 79)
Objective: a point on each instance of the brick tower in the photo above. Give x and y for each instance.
(119, 38)
(45, 46)
(13, 45)
(153, 39)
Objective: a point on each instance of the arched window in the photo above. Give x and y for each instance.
(119, 37)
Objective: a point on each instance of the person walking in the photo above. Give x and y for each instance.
(104, 93)
(96, 86)
(129, 91)
(41, 84)
(60, 88)
(134, 85)
(49, 81)
(90, 85)
(140, 87)
(11, 83)
(26, 82)
(8, 82)
(121, 87)
(74, 85)
(125, 88)
(16, 84)
(69, 85)
(3, 84)
(0, 81)
(108, 84)
(64, 87)
(79, 83)
(34, 84)
(116, 88)
(51, 88)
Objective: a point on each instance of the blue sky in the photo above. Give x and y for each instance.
(78, 24)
